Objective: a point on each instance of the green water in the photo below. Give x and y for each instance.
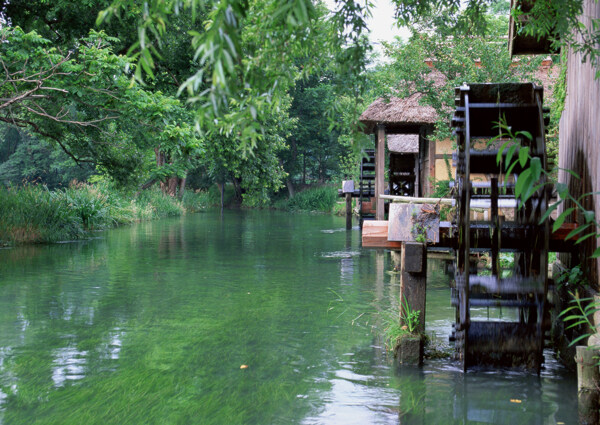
(150, 324)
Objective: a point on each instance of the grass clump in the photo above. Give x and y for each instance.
(400, 323)
(315, 199)
(34, 214)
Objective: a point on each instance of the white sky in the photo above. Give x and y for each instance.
(382, 24)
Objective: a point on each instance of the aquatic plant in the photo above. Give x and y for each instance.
(409, 317)
(400, 324)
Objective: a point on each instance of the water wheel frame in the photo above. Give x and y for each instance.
(479, 108)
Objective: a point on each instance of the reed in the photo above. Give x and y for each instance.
(34, 214)
(319, 199)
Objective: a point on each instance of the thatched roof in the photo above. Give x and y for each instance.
(398, 112)
(406, 115)
(403, 143)
(403, 115)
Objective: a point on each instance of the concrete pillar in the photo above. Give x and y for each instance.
(380, 173)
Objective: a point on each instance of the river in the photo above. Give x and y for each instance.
(252, 317)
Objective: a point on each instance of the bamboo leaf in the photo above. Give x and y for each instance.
(510, 153)
(582, 239)
(561, 219)
(577, 231)
(522, 182)
(548, 212)
(523, 155)
(579, 338)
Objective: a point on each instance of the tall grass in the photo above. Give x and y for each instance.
(33, 214)
(321, 199)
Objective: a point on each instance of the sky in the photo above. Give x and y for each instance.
(382, 23)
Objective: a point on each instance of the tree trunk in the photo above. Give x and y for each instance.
(304, 169)
(238, 190)
(221, 187)
(290, 188)
(172, 184)
(182, 183)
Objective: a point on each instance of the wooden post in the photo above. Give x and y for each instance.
(432, 153)
(413, 282)
(348, 211)
(413, 285)
(380, 173)
(348, 190)
(587, 385)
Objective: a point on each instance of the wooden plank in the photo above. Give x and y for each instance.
(562, 232)
(375, 235)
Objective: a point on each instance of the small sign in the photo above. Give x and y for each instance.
(348, 186)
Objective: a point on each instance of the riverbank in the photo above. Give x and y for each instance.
(34, 214)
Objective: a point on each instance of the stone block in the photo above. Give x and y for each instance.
(410, 351)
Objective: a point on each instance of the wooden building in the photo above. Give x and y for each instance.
(415, 161)
(406, 125)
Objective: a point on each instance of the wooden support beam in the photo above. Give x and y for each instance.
(375, 235)
(380, 172)
(348, 211)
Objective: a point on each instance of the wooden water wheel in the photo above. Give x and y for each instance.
(483, 182)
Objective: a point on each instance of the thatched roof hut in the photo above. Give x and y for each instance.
(398, 115)
(409, 115)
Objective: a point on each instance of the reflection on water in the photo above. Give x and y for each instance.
(151, 324)
(68, 364)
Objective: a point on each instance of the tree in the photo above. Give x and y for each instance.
(83, 101)
(245, 54)
(451, 61)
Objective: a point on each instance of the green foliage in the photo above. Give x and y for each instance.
(580, 315)
(196, 201)
(462, 57)
(159, 204)
(409, 317)
(400, 324)
(441, 189)
(572, 278)
(34, 214)
(316, 199)
(28, 159)
(559, 21)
